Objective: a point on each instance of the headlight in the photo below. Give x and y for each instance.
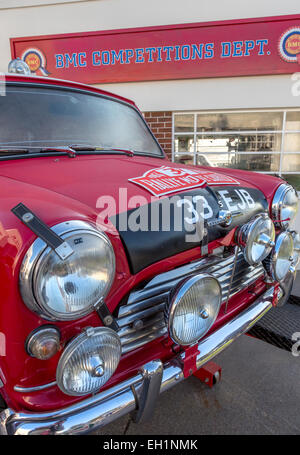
(88, 361)
(257, 238)
(68, 289)
(193, 308)
(284, 205)
(279, 262)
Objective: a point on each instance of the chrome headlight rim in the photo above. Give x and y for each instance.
(38, 250)
(277, 204)
(271, 261)
(296, 241)
(71, 348)
(175, 299)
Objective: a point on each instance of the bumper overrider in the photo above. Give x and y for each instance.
(136, 395)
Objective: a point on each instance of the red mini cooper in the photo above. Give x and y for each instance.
(122, 273)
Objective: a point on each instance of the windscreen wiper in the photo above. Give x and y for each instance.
(101, 148)
(13, 151)
(72, 149)
(33, 152)
(60, 149)
(113, 149)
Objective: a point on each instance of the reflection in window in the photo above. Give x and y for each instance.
(291, 163)
(263, 141)
(184, 123)
(245, 121)
(248, 162)
(293, 121)
(184, 149)
(291, 142)
(240, 143)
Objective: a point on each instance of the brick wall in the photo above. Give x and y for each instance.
(161, 125)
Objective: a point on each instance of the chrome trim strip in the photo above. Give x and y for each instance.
(140, 342)
(34, 389)
(104, 407)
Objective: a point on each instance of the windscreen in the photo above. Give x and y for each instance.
(45, 117)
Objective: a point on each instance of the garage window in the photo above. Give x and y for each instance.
(261, 141)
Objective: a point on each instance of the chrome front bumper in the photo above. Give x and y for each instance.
(137, 394)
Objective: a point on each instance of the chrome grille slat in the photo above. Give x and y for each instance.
(128, 309)
(157, 284)
(143, 333)
(142, 314)
(147, 305)
(128, 329)
(139, 343)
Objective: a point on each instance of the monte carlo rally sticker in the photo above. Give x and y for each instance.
(166, 180)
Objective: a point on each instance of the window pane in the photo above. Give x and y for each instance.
(293, 179)
(250, 162)
(293, 121)
(291, 163)
(218, 159)
(214, 159)
(239, 143)
(264, 162)
(184, 144)
(292, 142)
(240, 121)
(184, 159)
(184, 123)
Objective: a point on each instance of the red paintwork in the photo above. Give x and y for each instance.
(207, 373)
(190, 358)
(144, 68)
(60, 189)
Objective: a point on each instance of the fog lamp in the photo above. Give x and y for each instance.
(257, 238)
(43, 343)
(279, 263)
(88, 361)
(193, 308)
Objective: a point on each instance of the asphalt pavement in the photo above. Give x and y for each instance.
(258, 394)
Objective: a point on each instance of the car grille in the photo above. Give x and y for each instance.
(141, 319)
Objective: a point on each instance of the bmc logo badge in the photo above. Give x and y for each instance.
(289, 45)
(166, 179)
(36, 61)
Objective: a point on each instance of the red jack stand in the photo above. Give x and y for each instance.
(210, 374)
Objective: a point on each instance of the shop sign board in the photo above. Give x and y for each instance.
(199, 50)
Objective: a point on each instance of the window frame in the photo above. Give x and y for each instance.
(195, 133)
